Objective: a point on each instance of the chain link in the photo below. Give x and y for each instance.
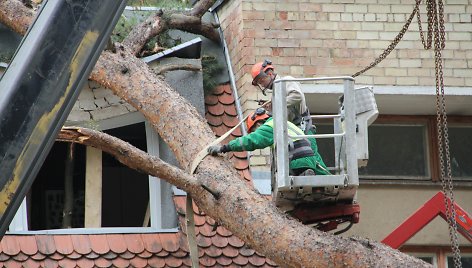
(436, 19)
(436, 29)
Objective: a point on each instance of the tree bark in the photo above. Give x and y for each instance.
(239, 208)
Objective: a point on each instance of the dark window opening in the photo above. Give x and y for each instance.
(46, 196)
(125, 192)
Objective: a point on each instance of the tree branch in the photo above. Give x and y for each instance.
(160, 22)
(129, 156)
(172, 67)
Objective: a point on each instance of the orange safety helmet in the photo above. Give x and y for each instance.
(259, 69)
(258, 115)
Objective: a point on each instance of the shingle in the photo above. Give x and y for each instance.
(21, 257)
(63, 244)
(27, 244)
(103, 263)
(50, 263)
(67, 263)
(12, 264)
(56, 256)
(235, 241)
(241, 260)
(117, 243)
(226, 99)
(121, 263)
(230, 251)
(170, 242)
(224, 261)
(256, 260)
(31, 264)
(138, 262)
(152, 242)
(38, 257)
(99, 244)
(157, 262)
(213, 251)
(85, 263)
(207, 261)
(10, 245)
(173, 261)
(46, 244)
(81, 244)
(134, 243)
(219, 241)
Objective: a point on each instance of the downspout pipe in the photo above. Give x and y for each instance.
(230, 71)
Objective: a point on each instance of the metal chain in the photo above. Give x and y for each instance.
(394, 43)
(436, 19)
(435, 14)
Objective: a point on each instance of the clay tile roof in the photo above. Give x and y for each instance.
(27, 244)
(10, 246)
(81, 244)
(152, 242)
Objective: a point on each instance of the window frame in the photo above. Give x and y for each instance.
(19, 224)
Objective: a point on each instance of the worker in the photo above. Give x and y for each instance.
(303, 160)
(263, 76)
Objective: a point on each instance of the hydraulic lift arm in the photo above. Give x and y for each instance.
(41, 84)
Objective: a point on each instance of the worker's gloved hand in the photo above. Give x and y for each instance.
(216, 149)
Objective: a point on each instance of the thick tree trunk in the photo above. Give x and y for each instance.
(239, 208)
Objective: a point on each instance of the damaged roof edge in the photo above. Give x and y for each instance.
(190, 50)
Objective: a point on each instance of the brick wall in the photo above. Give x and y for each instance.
(339, 37)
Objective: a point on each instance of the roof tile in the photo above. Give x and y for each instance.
(92, 255)
(103, 263)
(219, 241)
(240, 260)
(27, 244)
(214, 121)
(46, 244)
(38, 256)
(217, 109)
(85, 263)
(211, 99)
(270, 262)
(120, 262)
(225, 261)
(127, 255)
(226, 99)
(67, 263)
(213, 251)
(245, 251)
(81, 244)
(138, 262)
(63, 244)
(4, 257)
(173, 261)
(230, 252)
(180, 253)
(74, 255)
(230, 110)
(134, 243)
(170, 242)
(99, 243)
(152, 242)
(110, 255)
(207, 261)
(256, 260)
(31, 264)
(220, 89)
(162, 253)
(50, 263)
(157, 262)
(235, 241)
(12, 264)
(223, 231)
(207, 230)
(145, 255)
(117, 243)
(10, 245)
(228, 89)
(203, 241)
(56, 256)
(20, 257)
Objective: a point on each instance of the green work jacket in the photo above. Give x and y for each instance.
(263, 137)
